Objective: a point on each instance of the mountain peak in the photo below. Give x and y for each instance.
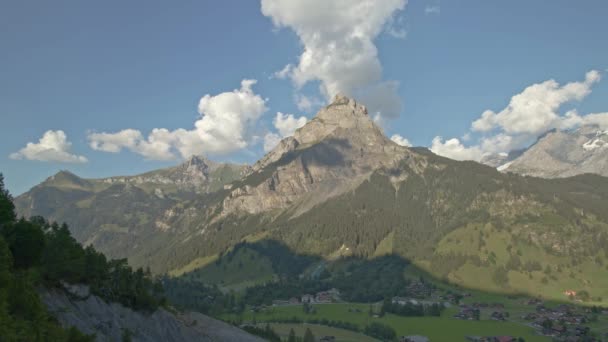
(197, 160)
(344, 117)
(341, 106)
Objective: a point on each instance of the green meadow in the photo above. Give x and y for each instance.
(341, 335)
(443, 328)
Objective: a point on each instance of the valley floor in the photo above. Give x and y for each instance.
(444, 328)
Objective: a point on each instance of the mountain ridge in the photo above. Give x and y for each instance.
(565, 153)
(339, 187)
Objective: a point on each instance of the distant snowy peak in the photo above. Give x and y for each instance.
(504, 166)
(600, 140)
(560, 154)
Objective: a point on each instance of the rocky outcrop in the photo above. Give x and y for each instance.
(110, 322)
(329, 155)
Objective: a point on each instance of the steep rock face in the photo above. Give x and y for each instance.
(91, 315)
(564, 154)
(331, 154)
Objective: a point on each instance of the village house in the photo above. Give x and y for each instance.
(467, 313)
(323, 297)
(498, 316)
(308, 298)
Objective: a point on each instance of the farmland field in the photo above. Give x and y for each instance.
(451, 329)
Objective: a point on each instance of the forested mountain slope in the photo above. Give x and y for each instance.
(339, 187)
(53, 289)
(115, 213)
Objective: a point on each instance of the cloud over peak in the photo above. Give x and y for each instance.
(399, 140)
(529, 114)
(286, 124)
(535, 109)
(53, 146)
(339, 50)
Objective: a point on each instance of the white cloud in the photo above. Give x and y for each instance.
(529, 114)
(52, 147)
(222, 128)
(535, 109)
(286, 124)
(271, 140)
(399, 140)
(381, 99)
(114, 142)
(432, 9)
(337, 37)
(307, 103)
(573, 119)
(454, 149)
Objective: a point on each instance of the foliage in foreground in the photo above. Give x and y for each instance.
(35, 253)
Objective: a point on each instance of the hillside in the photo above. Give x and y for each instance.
(114, 213)
(53, 289)
(340, 188)
(86, 314)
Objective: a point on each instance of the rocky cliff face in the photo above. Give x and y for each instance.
(564, 154)
(331, 154)
(110, 321)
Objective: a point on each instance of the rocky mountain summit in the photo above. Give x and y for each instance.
(564, 154)
(331, 154)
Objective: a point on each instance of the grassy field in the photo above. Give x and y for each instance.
(556, 274)
(436, 328)
(341, 335)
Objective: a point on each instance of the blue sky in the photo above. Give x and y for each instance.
(95, 67)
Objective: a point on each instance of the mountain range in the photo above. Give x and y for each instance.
(338, 188)
(559, 154)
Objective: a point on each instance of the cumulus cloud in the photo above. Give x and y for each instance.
(52, 147)
(454, 149)
(573, 119)
(307, 103)
(286, 124)
(399, 140)
(529, 114)
(223, 127)
(271, 140)
(338, 42)
(535, 109)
